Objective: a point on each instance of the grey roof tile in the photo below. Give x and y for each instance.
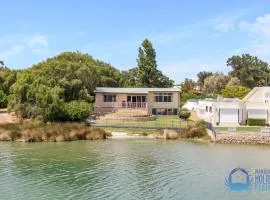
(134, 90)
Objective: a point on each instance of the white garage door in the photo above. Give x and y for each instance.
(257, 114)
(228, 115)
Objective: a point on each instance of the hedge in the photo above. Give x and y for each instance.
(184, 114)
(256, 122)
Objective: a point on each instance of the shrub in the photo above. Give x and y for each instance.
(33, 131)
(198, 130)
(77, 111)
(184, 114)
(3, 99)
(256, 122)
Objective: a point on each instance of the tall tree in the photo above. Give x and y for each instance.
(52, 89)
(148, 74)
(130, 78)
(188, 85)
(202, 76)
(215, 83)
(250, 70)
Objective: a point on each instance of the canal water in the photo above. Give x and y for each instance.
(126, 169)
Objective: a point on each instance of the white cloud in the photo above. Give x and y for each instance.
(37, 40)
(224, 26)
(37, 44)
(259, 35)
(15, 49)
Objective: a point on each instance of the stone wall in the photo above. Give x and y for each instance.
(243, 138)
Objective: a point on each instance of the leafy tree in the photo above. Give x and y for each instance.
(148, 74)
(3, 99)
(130, 78)
(215, 83)
(7, 79)
(202, 76)
(233, 81)
(250, 70)
(235, 91)
(188, 85)
(53, 88)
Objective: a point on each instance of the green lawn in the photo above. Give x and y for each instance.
(241, 129)
(161, 121)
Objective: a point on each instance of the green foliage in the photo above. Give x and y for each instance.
(233, 81)
(48, 90)
(202, 76)
(184, 114)
(130, 78)
(148, 74)
(256, 122)
(7, 79)
(250, 70)
(198, 130)
(3, 99)
(77, 111)
(235, 91)
(188, 85)
(215, 83)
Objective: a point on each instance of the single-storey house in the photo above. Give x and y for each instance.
(155, 101)
(222, 111)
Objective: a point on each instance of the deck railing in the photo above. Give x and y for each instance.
(124, 105)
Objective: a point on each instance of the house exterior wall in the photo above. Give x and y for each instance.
(173, 105)
(256, 96)
(257, 100)
(101, 106)
(121, 97)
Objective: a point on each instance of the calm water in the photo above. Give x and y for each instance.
(125, 169)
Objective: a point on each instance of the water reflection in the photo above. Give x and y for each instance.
(125, 169)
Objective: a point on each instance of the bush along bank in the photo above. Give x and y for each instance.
(198, 130)
(32, 131)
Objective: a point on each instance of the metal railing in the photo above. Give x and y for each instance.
(210, 126)
(154, 124)
(124, 104)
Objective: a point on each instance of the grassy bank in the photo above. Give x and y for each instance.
(195, 131)
(159, 122)
(35, 131)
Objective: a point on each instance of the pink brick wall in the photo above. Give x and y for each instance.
(100, 103)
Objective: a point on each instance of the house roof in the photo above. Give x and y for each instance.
(134, 90)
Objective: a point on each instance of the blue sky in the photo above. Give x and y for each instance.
(189, 36)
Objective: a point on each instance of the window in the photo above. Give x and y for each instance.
(163, 97)
(164, 111)
(206, 108)
(109, 98)
(136, 99)
(210, 109)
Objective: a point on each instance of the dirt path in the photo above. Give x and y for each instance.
(6, 117)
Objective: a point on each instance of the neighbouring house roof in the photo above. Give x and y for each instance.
(250, 94)
(134, 90)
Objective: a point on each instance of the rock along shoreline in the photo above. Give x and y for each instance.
(242, 138)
